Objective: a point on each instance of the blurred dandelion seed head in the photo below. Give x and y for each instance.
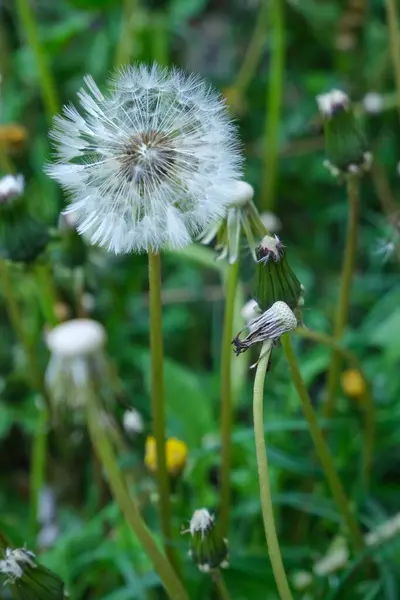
(332, 102)
(150, 164)
(11, 187)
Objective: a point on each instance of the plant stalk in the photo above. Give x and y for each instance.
(226, 396)
(128, 505)
(46, 293)
(124, 48)
(221, 585)
(344, 295)
(157, 400)
(394, 41)
(263, 474)
(321, 447)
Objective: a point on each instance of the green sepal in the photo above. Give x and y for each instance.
(275, 280)
(345, 141)
(209, 551)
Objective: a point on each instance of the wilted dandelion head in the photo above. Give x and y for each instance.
(149, 164)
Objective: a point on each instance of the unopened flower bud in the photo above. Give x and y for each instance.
(31, 579)
(345, 143)
(271, 325)
(208, 549)
(274, 278)
(22, 237)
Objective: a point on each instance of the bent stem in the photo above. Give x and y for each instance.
(127, 504)
(344, 295)
(226, 396)
(321, 447)
(263, 474)
(274, 103)
(157, 400)
(366, 396)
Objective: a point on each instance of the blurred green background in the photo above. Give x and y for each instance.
(270, 60)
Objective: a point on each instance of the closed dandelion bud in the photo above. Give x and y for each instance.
(22, 237)
(271, 325)
(208, 549)
(345, 144)
(31, 580)
(353, 383)
(274, 278)
(176, 453)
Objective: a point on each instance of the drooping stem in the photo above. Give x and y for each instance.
(394, 40)
(128, 506)
(221, 585)
(124, 48)
(157, 400)
(263, 474)
(47, 83)
(366, 397)
(321, 447)
(273, 105)
(344, 294)
(226, 396)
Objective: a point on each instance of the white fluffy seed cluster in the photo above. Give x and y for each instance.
(150, 164)
(10, 187)
(15, 561)
(329, 103)
(202, 520)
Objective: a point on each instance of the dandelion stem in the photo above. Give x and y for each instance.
(366, 397)
(46, 293)
(226, 396)
(394, 40)
(263, 474)
(48, 88)
(344, 295)
(273, 106)
(321, 447)
(124, 48)
(128, 506)
(157, 400)
(221, 585)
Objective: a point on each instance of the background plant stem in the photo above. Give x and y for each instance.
(321, 447)
(263, 474)
(124, 48)
(394, 40)
(157, 400)
(344, 294)
(46, 293)
(273, 105)
(226, 396)
(47, 84)
(128, 505)
(221, 585)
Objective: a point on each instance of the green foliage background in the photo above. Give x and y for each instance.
(95, 552)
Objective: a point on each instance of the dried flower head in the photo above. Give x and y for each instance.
(271, 325)
(31, 579)
(208, 549)
(176, 453)
(151, 163)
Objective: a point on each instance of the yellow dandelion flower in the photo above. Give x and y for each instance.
(13, 135)
(176, 452)
(353, 383)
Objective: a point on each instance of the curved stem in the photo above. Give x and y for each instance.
(128, 505)
(226, 396)
(344, 295)
(394, 40)
(366, 396)
(321, 447)
(263, 474)
(124, 48)
(47, 83)
(157, 400)
(274, 103)
(221, 585)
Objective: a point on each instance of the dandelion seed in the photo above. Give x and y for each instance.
(151, 163)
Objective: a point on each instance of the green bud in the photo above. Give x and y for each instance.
(31, 580)
(208, 549)
(274, 278)
(22, 237)
(345, 143)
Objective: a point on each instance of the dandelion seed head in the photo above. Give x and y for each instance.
(11, 187)
(201, 521)
(151, 163)
(75, 338)
(332, 102)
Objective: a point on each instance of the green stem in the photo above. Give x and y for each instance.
(47, 83)
(344, 295)
(263, 474)
(366, 398)
(46, 293)
(221, 585)
(128, 506)
(394, 40)
(159, 38)
(157, 400)
(226, 396)
(274, 103)
(38, 462)
(254, 51)
(124, 48)
(321, 447)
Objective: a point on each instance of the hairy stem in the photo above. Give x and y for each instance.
(263, 475)
(273, 106)
(157, 400)
(47, 83)
(321, 447)
(128, 506)
(344, 295)
(226, 396)
(394, 41)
